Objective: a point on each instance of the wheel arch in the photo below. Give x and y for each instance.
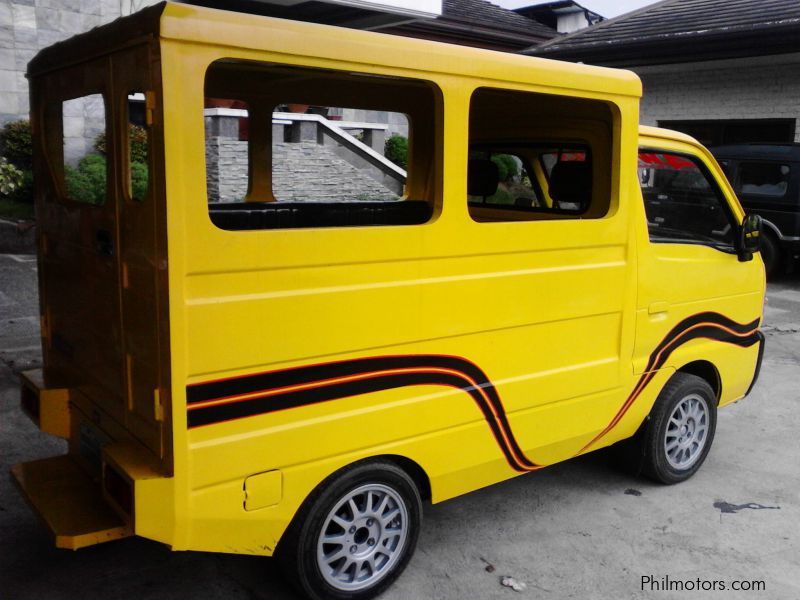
(708, 372)
(411, 467)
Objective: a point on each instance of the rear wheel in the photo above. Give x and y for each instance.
(680, 430)
(355, 535)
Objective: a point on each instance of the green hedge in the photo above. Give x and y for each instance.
(396, 150)
(138, 140)
(506, 165)
(87, 183)
(16, 146)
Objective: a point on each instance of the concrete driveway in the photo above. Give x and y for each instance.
(576, 530)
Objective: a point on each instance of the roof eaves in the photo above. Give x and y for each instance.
(601, 24)
(562, 45)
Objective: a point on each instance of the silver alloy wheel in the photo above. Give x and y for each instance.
(687, 432)
(362, 537)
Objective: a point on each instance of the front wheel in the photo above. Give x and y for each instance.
(680, 430)
(355, 535)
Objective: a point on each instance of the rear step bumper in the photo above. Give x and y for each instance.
(69, 502)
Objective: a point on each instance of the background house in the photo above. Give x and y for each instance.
(564, 16)
(724, 71)
(344, 140)
(27, 26)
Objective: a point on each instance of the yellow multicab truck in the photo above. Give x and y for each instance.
(277, 376)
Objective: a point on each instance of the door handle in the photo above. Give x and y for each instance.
(658, 308)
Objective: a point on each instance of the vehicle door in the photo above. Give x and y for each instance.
(689, 268)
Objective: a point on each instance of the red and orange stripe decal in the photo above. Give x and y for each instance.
(249, 395)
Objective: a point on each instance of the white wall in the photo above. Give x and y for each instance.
(748, 88)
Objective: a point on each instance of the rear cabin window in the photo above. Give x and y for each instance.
(683, 202)
(138, 147)
(82, 158)
(538, 157)
(290, 147)
(764, 179)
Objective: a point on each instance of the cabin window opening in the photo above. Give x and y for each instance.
(764, 179)
(138, 147)
(538, 157)
(683, 202)
(79, 160)
(292, 147)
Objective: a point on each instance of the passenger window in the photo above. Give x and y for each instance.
(82, 162)
(764, 179)
(538, 157)
(517, 185)
(318, 148)
(138, 147)
(683, 202)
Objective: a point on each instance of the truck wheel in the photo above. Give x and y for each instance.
(355, 534)
(770, 254)
(680, 429)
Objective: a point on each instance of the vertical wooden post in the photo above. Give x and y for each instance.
(260, 153)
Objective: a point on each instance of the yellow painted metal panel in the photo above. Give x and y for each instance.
(540, 332)
(262, 490)
(68, 502)
(48, 407)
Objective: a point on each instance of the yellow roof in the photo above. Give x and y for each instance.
(201, 25)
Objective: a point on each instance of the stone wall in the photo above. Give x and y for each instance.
(747, 88)
(302, 172)
(27, 26)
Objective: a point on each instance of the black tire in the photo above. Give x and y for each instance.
(297, 551)
(771, 255)
(656, 463)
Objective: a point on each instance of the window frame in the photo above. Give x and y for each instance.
(598, 135)
(719, 194)
(127, 169)
(433, 180)
(532, 176)
(57, 163)
(491, 151)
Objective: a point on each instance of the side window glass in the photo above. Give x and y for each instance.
(683, 202)
(138, 147)
(517, 185)
(563, 168)
(764, 179)
(84, 161)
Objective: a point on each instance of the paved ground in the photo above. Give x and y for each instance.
(576, 530)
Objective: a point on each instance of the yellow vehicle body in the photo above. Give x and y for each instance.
(468, 352)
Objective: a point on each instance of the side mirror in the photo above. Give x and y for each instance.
(750, 237)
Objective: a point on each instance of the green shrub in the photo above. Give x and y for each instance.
(87, 183)
(501, 196)
(139, 180)
(138, 140)
(10, 178)
(16, 144)
(506, 165)
(24, 193)
(396, 150)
